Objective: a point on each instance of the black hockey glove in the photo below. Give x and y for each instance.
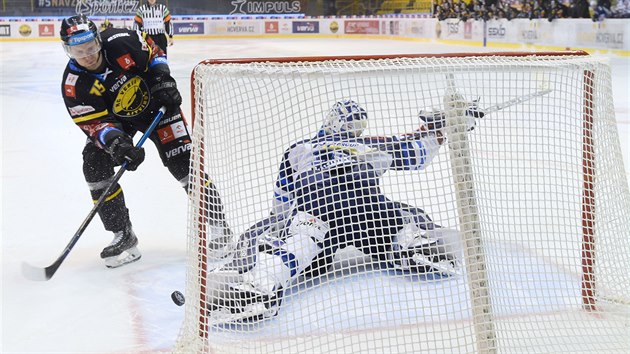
(122, 149)
(166, 94)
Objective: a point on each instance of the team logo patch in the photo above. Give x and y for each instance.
(171, 132)
(70, 91)
(125, 61)
(69, 87)
(132, 99)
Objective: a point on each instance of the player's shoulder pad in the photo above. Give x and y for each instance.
(116, 35)
(121, 40)
(125, 47)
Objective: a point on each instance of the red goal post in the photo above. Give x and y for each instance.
(511, 82)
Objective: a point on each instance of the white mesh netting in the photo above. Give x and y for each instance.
(514, 237)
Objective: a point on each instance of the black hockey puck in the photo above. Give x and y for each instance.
(178, 298)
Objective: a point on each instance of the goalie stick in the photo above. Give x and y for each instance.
(515, 101)
(43, 274)
(439, 116)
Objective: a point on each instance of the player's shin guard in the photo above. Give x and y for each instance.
(113, 213)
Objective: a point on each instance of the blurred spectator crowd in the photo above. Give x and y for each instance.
(531, 9)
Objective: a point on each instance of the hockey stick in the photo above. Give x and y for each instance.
(42, 274)
(437, 117)
(515, 101)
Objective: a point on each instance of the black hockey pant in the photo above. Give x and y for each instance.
(173, 144)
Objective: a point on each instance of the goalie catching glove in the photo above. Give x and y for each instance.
(436, 120)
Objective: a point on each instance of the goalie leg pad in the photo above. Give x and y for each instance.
(232, 299)
(257, 293)
(281, 261)
(305, 238)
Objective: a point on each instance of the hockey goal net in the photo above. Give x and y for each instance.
(536, 192)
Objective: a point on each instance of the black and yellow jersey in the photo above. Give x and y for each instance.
(118, 97)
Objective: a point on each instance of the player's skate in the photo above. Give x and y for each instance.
(416, 250)
(122, 249)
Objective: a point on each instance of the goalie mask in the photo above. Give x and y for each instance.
(345, 117)
(80, 37)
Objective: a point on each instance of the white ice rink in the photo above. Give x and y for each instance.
(87, 308)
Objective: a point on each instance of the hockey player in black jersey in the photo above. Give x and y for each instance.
(113, 85)
(327, 197)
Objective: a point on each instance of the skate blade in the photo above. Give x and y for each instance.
(128, 256)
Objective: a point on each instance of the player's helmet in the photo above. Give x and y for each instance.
(80, 36)
(345, 117)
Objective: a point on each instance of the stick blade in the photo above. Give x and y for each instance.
(34, 273)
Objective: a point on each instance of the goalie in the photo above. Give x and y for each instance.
(327, 197)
